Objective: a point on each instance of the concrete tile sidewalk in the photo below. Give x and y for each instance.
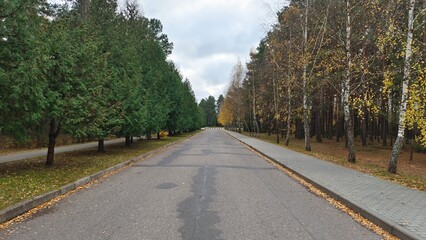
(399, 210)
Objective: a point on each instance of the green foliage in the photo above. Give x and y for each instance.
(91, 71)
(21, 83)
(210, 111)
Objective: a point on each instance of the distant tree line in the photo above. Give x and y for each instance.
(84, 68)
(337, 69)
(210, 107)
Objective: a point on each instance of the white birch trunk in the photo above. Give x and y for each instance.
(404, 92)
(289, 96)
(306, 115)
(287, 140)
(346, 87)
(276, 118)
(390, 116)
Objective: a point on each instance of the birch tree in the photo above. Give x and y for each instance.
(306, 105)
(346, 86)
(399, 142)
(312, 43)
(344, 63)
(253, 79)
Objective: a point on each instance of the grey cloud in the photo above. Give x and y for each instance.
(209, 36)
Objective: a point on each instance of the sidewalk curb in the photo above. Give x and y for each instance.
(20, 208)
(373, 216)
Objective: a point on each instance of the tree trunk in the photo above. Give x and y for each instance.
(306, 107)
(364, 125)
(396, 150)
(101, 145)
(411, 150)
(128, 141)
(276, 115)
(287, 139)
(307, 128)
(257, 133)
(372, 128)
(318, 119)
(324, 119)
(384, 131)
(338, 120)
(346, 87)
(365, 114)
(355, 123)
(379, 129)
(390, 117)
(289, 95)
(318, 124)
(278, 136)
(84, 6)
(245, 126)
(393, 161)
(255, 124)
(330, 123)
(54, 130)
(318, 131)
(345, 132)
(50, 150)
(158, 136)
(299, 134)
(424, 32)
(384, 124)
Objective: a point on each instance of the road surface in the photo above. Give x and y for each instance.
(207, 187)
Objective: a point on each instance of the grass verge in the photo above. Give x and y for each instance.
(26, 179)
(371, 160)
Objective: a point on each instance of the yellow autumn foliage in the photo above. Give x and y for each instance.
(416, 111)
(225, 114)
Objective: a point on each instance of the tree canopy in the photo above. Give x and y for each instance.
(342, 69)
(85, 69)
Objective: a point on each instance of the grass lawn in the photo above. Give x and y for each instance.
(372, 159)
(25, 179)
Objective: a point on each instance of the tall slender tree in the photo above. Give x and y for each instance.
(404, 91)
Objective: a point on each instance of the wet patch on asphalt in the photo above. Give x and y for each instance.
(199, 221)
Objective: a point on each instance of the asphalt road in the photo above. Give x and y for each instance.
(208, 187)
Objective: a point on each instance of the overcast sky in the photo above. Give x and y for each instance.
(209, 36)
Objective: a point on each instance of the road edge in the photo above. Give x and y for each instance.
(9, 213)
(386, 224)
